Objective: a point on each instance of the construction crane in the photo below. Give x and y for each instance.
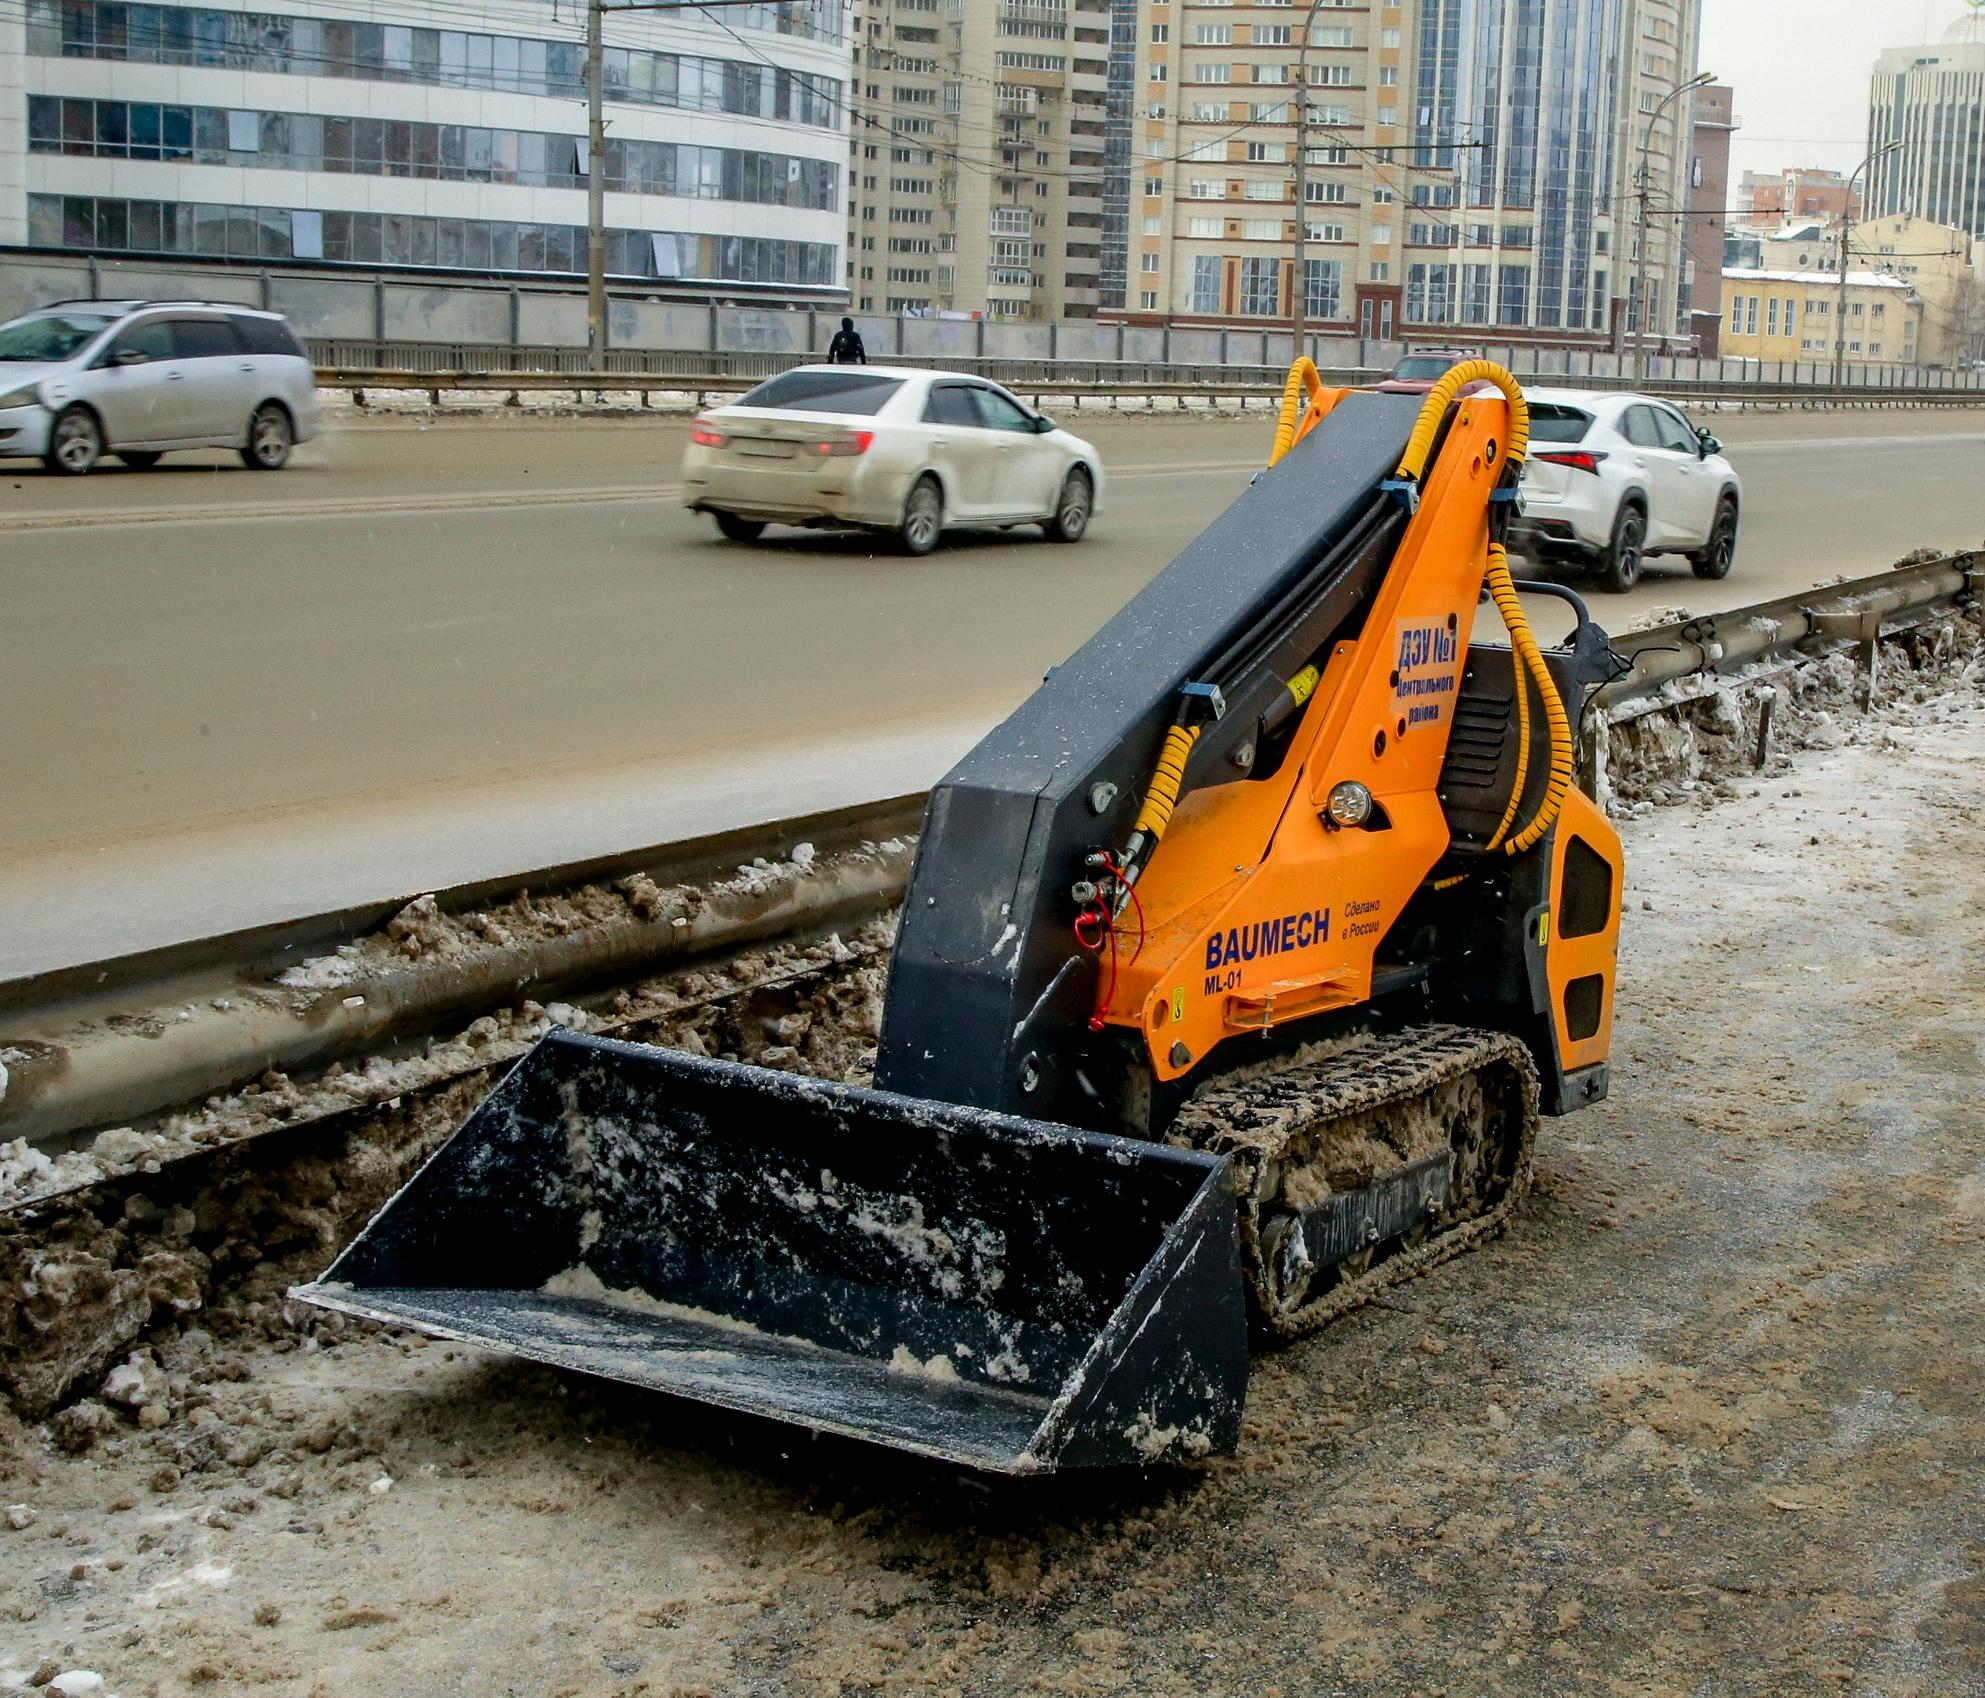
(1235, 970)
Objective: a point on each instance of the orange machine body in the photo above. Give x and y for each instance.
(1257, 911)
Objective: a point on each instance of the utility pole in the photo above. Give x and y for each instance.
(1640, 215)
(1300, 285)
(1840, 268)
(596, 153)
(596, 186)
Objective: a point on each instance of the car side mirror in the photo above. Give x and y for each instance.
(1043, 424)
(1707, 445)
(129, 357)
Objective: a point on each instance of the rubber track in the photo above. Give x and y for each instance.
(1253, 1118)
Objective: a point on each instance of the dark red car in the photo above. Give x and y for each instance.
(1420, 370)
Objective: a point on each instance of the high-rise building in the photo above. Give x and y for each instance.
(1470, 173)
(1932, 101)
(412, 135)
(1210, 222)
(977, 176)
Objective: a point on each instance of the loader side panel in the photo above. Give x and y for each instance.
(986, 985)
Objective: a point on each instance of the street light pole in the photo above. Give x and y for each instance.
(1299, 285)
(1640, 262)
(1840, 267)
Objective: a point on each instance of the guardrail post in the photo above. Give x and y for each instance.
(516, 317)
(96, 278)
(379, 310)
(1054, 340)
(713, 348)
(1120, 340)
(1223, 345)
(1165, 344)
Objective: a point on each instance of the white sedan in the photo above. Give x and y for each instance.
(1612, 478)
(890, 448)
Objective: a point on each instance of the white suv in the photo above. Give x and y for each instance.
(1613, 478)
(141, 378)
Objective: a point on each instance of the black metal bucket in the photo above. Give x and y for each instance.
(999, 1292)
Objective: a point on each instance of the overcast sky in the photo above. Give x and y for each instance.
(1800, 69)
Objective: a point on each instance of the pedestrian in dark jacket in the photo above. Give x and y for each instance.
(846, 349)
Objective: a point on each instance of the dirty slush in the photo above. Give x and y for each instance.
(1704, 1420)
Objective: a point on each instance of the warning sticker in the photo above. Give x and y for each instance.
(1427, 671)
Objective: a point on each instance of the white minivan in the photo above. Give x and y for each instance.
(138, 379)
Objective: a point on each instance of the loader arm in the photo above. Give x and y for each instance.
(1313, 641)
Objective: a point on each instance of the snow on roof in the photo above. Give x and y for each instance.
(1855, 279)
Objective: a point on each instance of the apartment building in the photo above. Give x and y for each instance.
(1211, 210)
(1779, 197)
(412, 135)
(977, 172)
(1794, 315)
(1470, 169)
(1931, 100)
(1941, 268)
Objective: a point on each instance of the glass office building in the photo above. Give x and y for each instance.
(450, 138)
(1534, 117)
(1516, 106)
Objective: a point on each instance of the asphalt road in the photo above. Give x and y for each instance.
(430, 652)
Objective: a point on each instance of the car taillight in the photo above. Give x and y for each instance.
(1583, 460)
(855, 442)
(706, 435)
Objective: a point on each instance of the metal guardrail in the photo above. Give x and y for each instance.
(552, 370)
(235, 1037)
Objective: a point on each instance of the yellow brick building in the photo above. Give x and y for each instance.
(1791, 315)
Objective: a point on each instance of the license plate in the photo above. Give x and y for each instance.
(767, 450)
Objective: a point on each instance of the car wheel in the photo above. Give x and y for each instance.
(923, 517)
(75, 443)
(1715, 558)
(1071, 515)
(1619, 566)
(740, 530)
(270, 438)
(139, 460)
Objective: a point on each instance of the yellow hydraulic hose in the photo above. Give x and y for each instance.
(1303, 378)
(1163, 794)
(1442, 396)
(1502, 588)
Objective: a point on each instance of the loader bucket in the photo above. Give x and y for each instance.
(994, 1291)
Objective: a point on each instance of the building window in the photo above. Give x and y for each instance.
(375, 239)
(365, 52)
(1380, 271)
(1147, 300)
(1161, 32)
(1147, 262)
(1513, 295)
(1475, 294)
(372, 147)
(1261, 288)
(1323, 287)
(1205, 294)
(1771, 316)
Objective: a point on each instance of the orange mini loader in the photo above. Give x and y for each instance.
(1234, 971)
